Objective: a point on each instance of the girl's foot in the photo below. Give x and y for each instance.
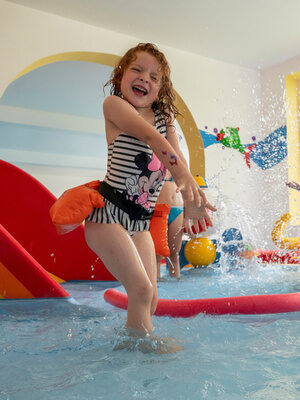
(147, 344)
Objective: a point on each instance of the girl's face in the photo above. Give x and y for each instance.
(140, 83)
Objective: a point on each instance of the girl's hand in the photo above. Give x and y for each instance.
(199, 214)
(187, 227)
(196, 205)
(189, 189)
(293, 185)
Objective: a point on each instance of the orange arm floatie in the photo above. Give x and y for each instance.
(74, 205)
(159, 228)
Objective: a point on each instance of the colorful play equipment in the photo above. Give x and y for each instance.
(258, 304)
(278, 256)
(184, 263)
(201, 181)
(278, 234)
(33, 257)
(21, 275)
(203, 251)
(233, 245)
(248, 252)
(289, 252)
(230, 138)
(200, 251)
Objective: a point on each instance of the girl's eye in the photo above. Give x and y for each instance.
(154, 78)
(135, 69)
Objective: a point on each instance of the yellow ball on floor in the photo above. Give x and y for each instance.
(200, 251)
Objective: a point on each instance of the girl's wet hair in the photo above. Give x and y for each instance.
(166, 96)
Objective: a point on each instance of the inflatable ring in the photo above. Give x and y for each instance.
(257, 304)
(278, 238)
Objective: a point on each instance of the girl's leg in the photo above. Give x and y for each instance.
(113, 245)
(175, 240)
(144, 244)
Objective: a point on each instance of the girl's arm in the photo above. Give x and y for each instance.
(125, 117)
(172, 138)
(190, 211)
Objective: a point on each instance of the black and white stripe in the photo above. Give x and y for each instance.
(121, 165)
(121, 155)
(111, 214)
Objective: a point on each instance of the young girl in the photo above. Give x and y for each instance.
(171, 196)
(141, 145)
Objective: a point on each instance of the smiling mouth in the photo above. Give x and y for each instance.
(139, 91)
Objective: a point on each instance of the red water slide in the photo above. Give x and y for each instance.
(27, 230)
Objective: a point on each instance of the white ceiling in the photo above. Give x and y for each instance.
(250, 33)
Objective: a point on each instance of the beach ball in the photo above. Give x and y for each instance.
(200, 251)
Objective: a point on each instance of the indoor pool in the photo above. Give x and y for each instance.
(62, 349)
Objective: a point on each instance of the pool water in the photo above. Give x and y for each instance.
(63, 349)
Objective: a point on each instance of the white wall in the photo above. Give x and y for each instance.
(218, 94)
(273, 99)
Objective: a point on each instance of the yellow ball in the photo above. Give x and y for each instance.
(200, 251)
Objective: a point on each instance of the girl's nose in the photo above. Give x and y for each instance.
(144, 78)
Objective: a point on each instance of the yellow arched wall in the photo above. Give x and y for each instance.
(186, 120)
(293, 143)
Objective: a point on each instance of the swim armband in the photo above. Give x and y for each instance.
(158, 229)
(74, 205)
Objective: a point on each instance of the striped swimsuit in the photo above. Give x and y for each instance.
(137, 174)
